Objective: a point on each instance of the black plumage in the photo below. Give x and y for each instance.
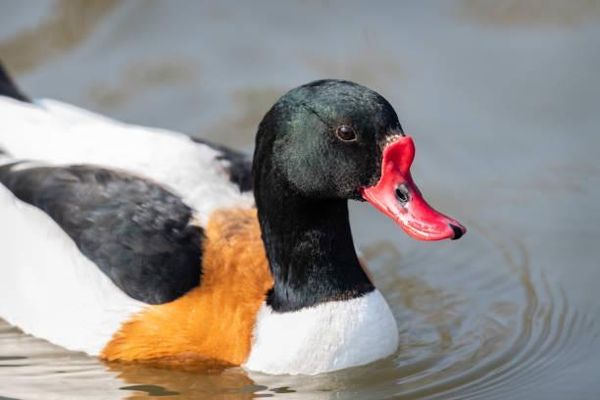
(136, 231)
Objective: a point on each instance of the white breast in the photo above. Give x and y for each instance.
(326, 337)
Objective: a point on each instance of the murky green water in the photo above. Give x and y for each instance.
(503, 101)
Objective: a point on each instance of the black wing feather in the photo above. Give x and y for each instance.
(137, 232)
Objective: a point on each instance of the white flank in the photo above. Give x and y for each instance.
(59, 133)
(48, 288)
(326, 337)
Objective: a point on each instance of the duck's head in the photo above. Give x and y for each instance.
(334, 139)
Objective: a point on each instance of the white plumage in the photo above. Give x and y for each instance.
(63, 134)
(325, 337)
(48, 288)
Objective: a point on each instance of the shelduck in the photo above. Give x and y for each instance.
(136, 244)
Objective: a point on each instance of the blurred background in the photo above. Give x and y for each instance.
(503, 101)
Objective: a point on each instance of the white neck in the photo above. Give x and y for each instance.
(326, 337)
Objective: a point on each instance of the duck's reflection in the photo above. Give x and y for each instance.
(211, 380)
(208, 380)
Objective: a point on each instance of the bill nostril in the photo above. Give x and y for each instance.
(402, 194)
(458, 231)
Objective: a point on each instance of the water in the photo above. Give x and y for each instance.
(502, 99)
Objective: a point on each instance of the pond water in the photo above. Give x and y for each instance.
(502, 99)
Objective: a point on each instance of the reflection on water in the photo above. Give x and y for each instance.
(250, 106)
(140, 77)
(68, 23)
(199, 383)
(532, 12)
(489, 90)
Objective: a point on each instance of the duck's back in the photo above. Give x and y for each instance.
(61, 134)
(100, 218)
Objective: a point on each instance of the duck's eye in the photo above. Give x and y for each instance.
(345, 133)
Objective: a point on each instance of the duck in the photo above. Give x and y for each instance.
(143, 245)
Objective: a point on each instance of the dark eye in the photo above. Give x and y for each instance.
(345, 133)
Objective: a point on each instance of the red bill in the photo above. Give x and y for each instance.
(397, 196)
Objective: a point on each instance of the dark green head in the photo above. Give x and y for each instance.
(324, 139)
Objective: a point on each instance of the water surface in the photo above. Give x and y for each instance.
(502, 100)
